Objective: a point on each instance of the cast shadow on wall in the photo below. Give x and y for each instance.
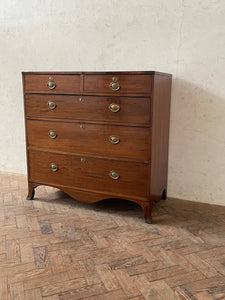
(197, 143)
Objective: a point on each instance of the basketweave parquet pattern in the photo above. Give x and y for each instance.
(57, 248)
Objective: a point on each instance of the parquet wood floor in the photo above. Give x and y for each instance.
(55, 248)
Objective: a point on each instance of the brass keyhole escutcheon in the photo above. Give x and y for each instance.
(82, 126)
(83, 160)
(52, 134)
(51, 84)
(114, 85)
(81, 100)
(114, 175)
(113, 107)
(53, 167)
(114, 139)
(51, 105)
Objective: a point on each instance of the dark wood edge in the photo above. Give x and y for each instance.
(25, 121)
(89, 94)
(31, 190)
(104, 94)
(98, 73)
(163, 195)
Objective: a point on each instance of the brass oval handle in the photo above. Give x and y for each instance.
(51, 105)
(53, 167)
(52, 134)
(114, 107)
(114, 85)
(114, 175)
(51, 84)
(114, 139)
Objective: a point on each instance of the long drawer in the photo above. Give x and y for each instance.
(125, 141)
(110, 109)
(107, 175)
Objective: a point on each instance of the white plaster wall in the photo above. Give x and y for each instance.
(182, 37)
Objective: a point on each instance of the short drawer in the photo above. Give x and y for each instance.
(86, 172)
(118, 84)
(50, 83)
(125, 141)
(110, 109)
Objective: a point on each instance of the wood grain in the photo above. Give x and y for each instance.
(17, 291)
(129, 84)
(91, 174)
(3, 288)
(92, 138)
(64, 83)
(132, 109)
(160, 115)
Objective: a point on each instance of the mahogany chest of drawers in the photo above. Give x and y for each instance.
(98, 135)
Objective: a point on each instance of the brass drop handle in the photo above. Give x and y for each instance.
(114, 107)
(114, 175)
(51, 105)
(53, 167)
(114, 85)
(51, 84)
(52, 134)
(114, 139)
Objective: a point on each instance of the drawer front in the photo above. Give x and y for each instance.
(118, 84)
(123, 141)
(90, 173)
(52, 83)
(115, 109)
